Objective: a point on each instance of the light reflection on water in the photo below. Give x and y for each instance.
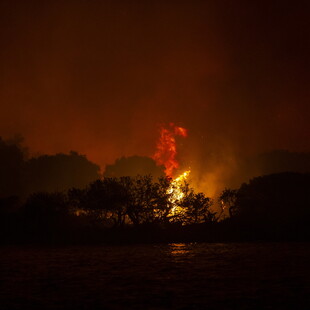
(177, 249)
(164, 276)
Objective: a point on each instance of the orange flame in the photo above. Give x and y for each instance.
(166, 147)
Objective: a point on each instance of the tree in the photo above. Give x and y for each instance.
(275, 203)
(163, 203)
(227, 200)
(133, 166)
(196, 207)
(147, 201)
(139, 194)
(58, 172)
(11, 165)
(103, 200)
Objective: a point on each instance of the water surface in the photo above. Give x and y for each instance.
(169, 276)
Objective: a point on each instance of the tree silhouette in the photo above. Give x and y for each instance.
(133, 166)
(11, 165)
(147, 201)
(139, 200)
(103, 200)
(276, 203)
(227, 200)
(196, 207)
(58, 172)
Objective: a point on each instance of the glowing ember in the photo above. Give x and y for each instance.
(166, 148)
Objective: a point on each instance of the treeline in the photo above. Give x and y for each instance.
(22, 175)
(63, 198)
(273, 206)
(104, 206)
(140, 209)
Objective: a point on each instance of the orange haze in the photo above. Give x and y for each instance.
(98, 76)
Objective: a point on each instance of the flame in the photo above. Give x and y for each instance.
(165, 155)
(175, 190)
(166, 147)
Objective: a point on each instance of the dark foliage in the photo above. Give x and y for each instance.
(11, 166)
(58, 172)
(139, 201)
(140, 208)
(276, 205)
(132, 166)
(20, 176)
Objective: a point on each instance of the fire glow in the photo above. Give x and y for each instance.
(175, 190)
(166, 155)
(166, 149)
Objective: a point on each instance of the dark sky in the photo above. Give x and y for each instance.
(99, 76)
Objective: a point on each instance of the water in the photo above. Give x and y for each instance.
(170, 276)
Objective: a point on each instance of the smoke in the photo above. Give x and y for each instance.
(99, 76)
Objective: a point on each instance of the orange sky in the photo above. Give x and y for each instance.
(99, 78)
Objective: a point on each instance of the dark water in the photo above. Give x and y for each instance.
(171, 276)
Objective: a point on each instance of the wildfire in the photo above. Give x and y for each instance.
(175, 190)
(165, 155)
(166, 148)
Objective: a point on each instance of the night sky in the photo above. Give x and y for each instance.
(99, 77)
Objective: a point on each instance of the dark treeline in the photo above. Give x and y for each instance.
(62, 198)
(275, 161)
(20, 175)
(275, 206)
(104, 210)
(140, 209)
